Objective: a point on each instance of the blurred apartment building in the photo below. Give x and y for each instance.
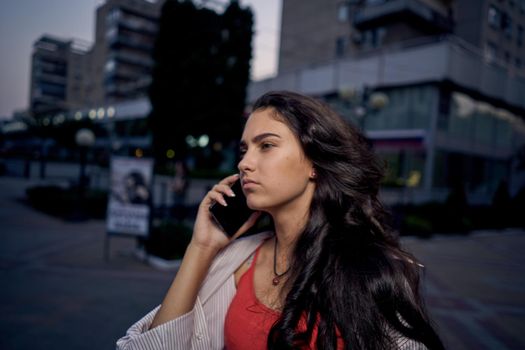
(122, 54)
(315, 32)
(437, 85)
(66, 76)
(59, 70)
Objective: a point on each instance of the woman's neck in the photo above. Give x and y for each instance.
(286, 238)
(289, 223)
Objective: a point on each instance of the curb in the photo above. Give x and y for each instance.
(157, 262)
(163, 264)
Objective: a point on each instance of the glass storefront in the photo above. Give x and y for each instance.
(407, 108)
(473, 143)
(478, 174)
(481, 123)
(404, 167)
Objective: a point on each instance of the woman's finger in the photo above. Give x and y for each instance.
(217, 197)
(224, 189)
(230, 180)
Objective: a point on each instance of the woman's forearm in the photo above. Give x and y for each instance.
(182, 293)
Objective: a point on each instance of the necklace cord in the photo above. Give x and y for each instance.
(277, 275)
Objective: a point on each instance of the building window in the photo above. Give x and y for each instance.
(408, 108)
(519, 35)
(507, 57)
(494, 16)
(491, 52)
(340, 46)
(405, 166)
(343, 12)
(517, 63)
(53, 89)
(522, 6)
(113, 16)
(506, 25)
(110, 66)
(374, 38)
(111, 33)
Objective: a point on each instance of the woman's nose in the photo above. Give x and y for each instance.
(246, 163)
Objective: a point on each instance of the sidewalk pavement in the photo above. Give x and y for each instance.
(57, 292)
(475, 287)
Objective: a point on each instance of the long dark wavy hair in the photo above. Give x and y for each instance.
(349, 276)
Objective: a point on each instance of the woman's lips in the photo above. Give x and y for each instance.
(248, 183)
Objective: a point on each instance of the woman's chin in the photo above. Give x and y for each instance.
(253, 205)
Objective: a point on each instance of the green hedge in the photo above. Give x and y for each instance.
(65, 203)
(168, 240)
(427, 219)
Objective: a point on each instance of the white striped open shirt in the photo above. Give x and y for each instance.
(203, 327)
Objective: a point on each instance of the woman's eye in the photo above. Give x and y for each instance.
(266, 145)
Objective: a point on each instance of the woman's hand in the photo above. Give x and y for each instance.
(207, 240)
(206, 233)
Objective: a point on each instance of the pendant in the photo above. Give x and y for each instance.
(275, 281)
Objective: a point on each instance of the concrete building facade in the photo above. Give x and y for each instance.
(501, 31)
(313, 32)
(316, 31)
(450, 115)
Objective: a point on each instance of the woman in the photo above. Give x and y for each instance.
(330, 276)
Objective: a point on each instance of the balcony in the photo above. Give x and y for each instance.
(449, 59)
(47, 77)
(138, 25)
(132, 42)
(129, 57)
(408, 11)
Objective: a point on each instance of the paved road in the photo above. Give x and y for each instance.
(57, 292)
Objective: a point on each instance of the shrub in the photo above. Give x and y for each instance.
(64, 202)
(168, 240)
(418, 225)
(425, 219)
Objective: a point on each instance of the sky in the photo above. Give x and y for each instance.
(24, 21)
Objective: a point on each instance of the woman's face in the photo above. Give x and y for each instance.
(275, 173)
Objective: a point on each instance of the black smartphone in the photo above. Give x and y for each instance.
(230, 218)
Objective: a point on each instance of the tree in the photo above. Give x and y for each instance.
(202, 65)
(237, 53)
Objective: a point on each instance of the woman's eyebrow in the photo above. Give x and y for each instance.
(259, 137)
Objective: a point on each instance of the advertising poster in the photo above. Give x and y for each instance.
(130, 195)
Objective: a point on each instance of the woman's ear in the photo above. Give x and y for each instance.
(313, 174)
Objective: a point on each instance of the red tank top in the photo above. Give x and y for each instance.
(248, 321)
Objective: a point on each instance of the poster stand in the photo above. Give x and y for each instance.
(107, 244)
(130, 209)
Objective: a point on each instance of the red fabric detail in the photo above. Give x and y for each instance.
(248, 321)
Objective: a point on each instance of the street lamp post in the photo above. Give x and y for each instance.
(84, 138)
(361, 103)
